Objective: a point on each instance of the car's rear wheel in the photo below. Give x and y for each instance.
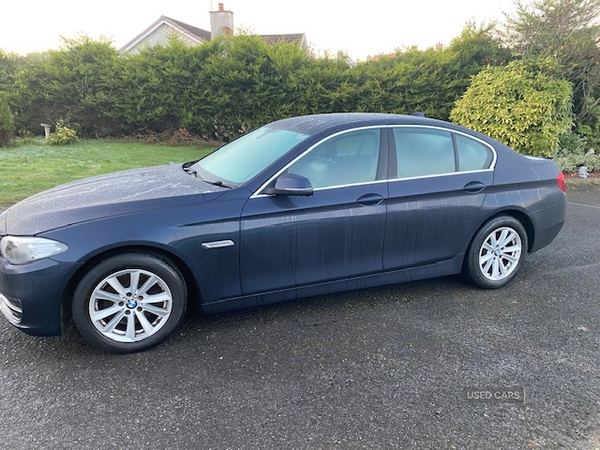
(129, 302)
(496, 253)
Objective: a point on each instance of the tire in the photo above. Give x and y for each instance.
(496, 253)
(129, 303)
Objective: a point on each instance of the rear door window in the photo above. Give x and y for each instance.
(423, 152)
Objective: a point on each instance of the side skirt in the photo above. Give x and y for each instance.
(439, 269)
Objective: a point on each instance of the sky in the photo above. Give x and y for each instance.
(359, 28)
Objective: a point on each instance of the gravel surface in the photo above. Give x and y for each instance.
(391, 367)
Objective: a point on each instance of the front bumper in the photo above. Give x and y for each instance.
(31, 295)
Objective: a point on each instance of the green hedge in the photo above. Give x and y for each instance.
(227, 86)
(6, 121)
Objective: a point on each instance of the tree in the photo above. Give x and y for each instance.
(568, 32)
(428, 80)
(7, 124)
(75, 83)
(478, 47)
(521, 104)
(7, 69)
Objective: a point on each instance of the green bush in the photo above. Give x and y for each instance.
(521, 104)
(62, 135)
(227, 86)
(573, 153)
(25, 137)
(7, 122)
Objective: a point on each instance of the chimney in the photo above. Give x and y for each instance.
(221, 22)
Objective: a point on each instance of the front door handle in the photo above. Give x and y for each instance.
(370, 199)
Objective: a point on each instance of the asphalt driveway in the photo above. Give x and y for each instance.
(406, 366)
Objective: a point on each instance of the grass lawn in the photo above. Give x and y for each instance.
(28, 169)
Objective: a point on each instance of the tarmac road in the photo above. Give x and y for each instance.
(393, 367)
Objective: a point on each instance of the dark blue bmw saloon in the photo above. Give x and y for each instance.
(299, 207)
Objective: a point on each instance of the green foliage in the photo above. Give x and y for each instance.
(62, 135)
(218, 89)
(151, 87)
(568, 32)
(225, 87)
(7, 124)
(429, 81)
(25, 137)
(242, 83)
(6, 69)
(520, 104)
(478, 47)
(76, 83)
(414, 80)
(572, 153)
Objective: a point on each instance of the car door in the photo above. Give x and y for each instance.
(441, 180)
(338, 232)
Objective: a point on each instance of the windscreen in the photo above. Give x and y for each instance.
(242, 159)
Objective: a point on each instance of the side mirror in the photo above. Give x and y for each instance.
(292, 184)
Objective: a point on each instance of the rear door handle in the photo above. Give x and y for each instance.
(370, 199)
(474, 186)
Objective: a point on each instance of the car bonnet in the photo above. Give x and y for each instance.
(104, 196)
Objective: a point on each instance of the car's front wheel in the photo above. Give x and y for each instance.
(496, 253)
(129, 302)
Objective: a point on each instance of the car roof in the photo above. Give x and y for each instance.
(313, 124)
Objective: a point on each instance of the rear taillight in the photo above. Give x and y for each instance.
(560, 180)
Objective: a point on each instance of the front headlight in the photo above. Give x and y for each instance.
(23, 250)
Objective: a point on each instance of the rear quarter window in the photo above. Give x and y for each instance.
(472, 155)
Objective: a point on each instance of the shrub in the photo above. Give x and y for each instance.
(25, 137)
(7, 121)
(521, 104)
(62, 135)
(227, 86)
(573, 153)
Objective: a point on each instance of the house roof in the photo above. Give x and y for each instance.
(194, 33)
(199, 35)
(202, 34)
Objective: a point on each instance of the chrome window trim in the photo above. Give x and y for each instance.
(491, 168)
(446, 174)
(337, 186)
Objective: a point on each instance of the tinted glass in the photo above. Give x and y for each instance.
(350, 158)
(240, 160)
(422, 151)
(472, 155)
